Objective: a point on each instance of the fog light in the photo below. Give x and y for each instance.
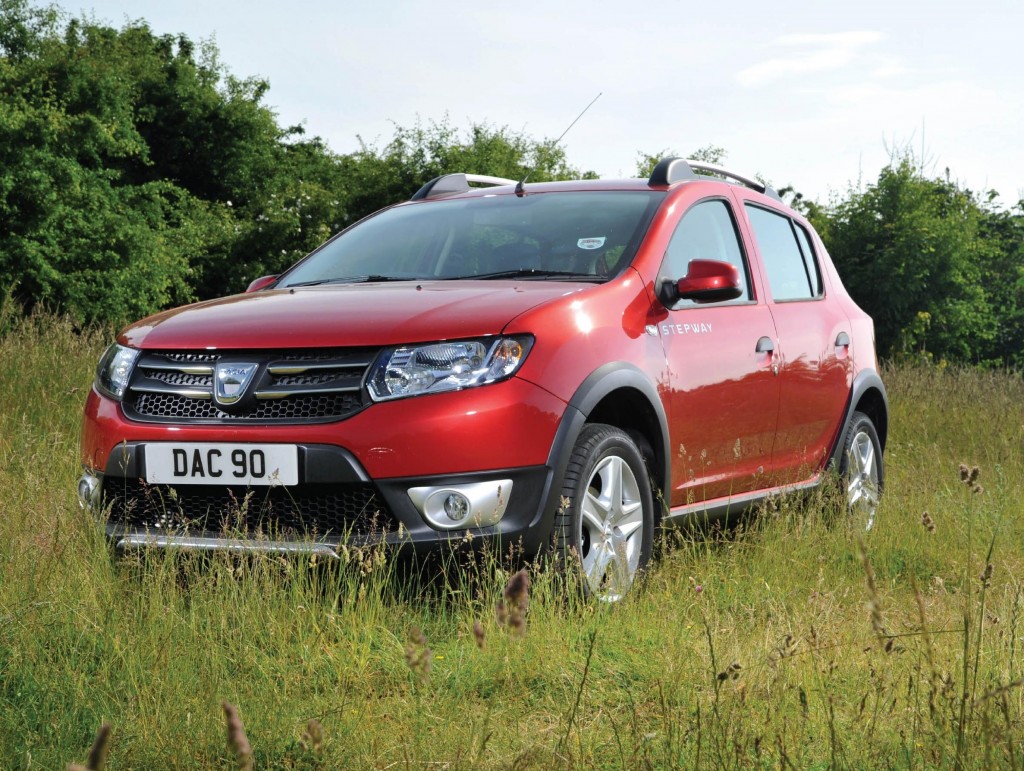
(88, 491)
(461, 506)
(456, 506)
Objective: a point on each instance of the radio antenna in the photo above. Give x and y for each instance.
(520, 186)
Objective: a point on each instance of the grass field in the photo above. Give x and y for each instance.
(793, 642)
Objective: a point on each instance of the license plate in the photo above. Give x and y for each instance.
(219, 463)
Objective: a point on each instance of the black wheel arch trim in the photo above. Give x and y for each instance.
(610, 377)
(866, 380)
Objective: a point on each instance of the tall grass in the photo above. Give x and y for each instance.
(793, 641)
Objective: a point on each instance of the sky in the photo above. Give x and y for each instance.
(814, 95)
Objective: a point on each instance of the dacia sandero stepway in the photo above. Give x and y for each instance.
(562, 366)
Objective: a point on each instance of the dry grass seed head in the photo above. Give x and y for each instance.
(732, 672)
(873, 604)
(238, 742)
(418, 656)
(787, 647)
(928, 522)
(511, 609)
(478, 634)
(986, 576)
(97, 753)
(313, 737)
(969, 476)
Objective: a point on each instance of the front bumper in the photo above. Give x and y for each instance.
(335, 504)
(355, 475)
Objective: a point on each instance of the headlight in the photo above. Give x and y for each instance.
(430, 369)
(114, 369)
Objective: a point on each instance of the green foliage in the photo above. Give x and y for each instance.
(137, 173)
(912, 253)
(74, 235)
(380, 176)
(1002, 231)
(645, 162)
(762, 647)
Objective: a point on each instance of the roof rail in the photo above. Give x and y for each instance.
(453, 184)
(670, 170)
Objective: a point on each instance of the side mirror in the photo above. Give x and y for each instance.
(708, 281)
(261, 283)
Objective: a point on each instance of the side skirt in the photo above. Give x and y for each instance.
(721, 508)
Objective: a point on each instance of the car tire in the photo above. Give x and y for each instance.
(861, 470)
(605, 524)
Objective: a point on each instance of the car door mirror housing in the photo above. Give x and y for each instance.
(705, 281)
(260, 283)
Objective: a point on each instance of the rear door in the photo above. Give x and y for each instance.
(815, 367)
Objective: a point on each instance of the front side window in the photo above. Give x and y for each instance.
(579, 235)
(791, 266)
(706, 232)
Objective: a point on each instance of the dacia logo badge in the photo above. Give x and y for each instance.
(231, 380)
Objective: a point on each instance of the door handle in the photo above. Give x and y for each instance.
(765, 345)
(843, 341)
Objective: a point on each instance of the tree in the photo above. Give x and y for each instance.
(381, 176)
(73, 235)
(646, 162)
(136, 173)
(1002, 232)
(911, 252)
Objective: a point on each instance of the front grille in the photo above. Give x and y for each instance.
(319, 510)
(182, 379)
(300, 408)
(286, 387)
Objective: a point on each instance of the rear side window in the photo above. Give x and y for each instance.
(706, 232)
(788, 259)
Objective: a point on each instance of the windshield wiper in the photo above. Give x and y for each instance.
(350, 280)
(536, 273)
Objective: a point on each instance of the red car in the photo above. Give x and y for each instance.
(569, 365)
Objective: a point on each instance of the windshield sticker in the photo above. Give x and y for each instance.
(591, 243)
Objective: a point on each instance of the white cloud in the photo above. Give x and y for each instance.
(809, 53)
(851, 39)
(889, 68)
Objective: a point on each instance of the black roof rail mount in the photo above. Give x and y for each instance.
(453, 184)
(671, 170)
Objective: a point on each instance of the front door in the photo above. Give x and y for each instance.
(724, 395)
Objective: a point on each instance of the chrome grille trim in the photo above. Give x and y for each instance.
(203, 369)
(166, 388)
(292, 369)
(290, 386)
(285, 392)
(146, 540)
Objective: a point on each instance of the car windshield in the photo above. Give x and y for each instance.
(585, 236)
